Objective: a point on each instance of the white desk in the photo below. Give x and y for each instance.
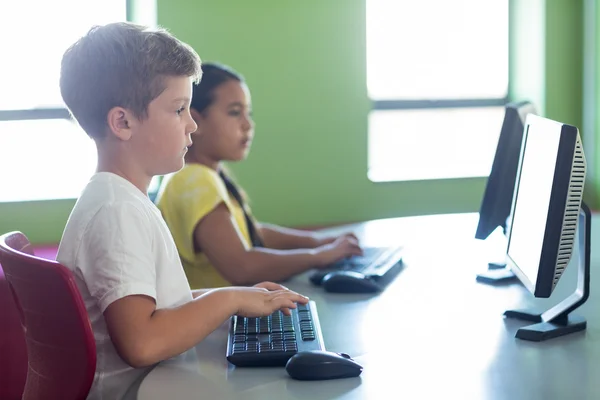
(433, 333)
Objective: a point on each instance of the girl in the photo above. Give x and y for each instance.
(219, 241)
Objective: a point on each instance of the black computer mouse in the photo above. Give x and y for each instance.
(320, 364)
(349, 282)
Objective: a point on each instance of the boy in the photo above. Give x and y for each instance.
(129, 88)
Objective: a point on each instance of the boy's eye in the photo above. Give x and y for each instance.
(180, 110)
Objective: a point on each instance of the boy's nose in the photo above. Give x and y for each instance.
(193, 127)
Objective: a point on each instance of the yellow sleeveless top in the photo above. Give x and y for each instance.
(186, 197)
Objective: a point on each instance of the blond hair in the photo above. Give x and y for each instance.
(121, 65)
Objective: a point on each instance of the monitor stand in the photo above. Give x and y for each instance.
(498, 272)
(557, 321)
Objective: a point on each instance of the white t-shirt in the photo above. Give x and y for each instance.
(117, 244)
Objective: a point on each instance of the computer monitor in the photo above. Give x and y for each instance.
(497, 198)
(547, 213)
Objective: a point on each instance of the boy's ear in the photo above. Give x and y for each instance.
(120, 122)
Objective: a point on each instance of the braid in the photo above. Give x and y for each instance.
(232, 188)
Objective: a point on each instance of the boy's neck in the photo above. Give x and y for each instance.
(106, 163)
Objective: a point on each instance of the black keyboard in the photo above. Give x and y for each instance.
(375, 260)
(359, 263)
(272, 340)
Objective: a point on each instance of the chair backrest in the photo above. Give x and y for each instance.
(60, 343)
(13, 351)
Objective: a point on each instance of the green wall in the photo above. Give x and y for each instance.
(567, 88)
(591, 96)
(564, 61)
(41, 221)
(305, 65)
(595, 114)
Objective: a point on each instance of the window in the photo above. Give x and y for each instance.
(49, 155)
(437, 73)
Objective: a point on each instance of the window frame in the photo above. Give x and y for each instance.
(430, 104)
(387, 105)
(34, 114)
(59, 113)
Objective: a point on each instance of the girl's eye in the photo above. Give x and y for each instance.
(180, 110)
(234, 113)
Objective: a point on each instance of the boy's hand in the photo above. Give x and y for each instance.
(270, 286)
(343, 247)
(264, 299)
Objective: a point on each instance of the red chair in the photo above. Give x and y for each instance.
(60, 344)
(13, 351)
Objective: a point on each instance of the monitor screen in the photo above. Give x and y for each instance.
(533, 192)
(547, 197)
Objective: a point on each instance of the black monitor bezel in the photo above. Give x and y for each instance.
(544, 285)
(495, 208)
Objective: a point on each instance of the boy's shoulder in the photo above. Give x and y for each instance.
(109, 191)
(106, 202)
